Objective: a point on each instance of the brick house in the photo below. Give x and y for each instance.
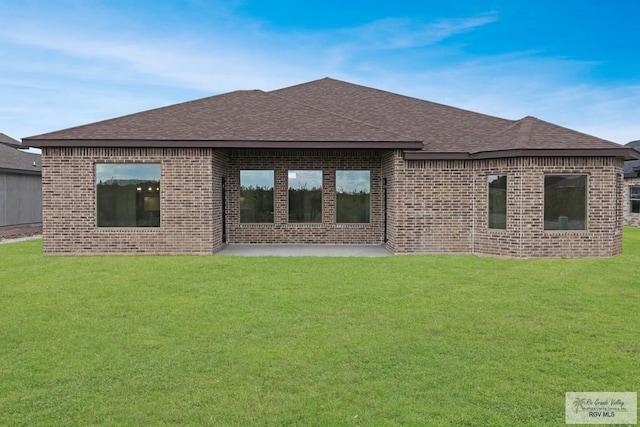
(330, 162)
(632, 189)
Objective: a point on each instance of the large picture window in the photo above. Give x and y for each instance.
(305, 196)
(497, 201)
(634, 199)
(353, 196)
(565, 202)
(256, 196)
(128, 194)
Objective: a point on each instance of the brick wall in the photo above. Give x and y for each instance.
(630, 219)
(188, 219)
(448, 213)
(433, 206)
(281, 231)
(392, 164)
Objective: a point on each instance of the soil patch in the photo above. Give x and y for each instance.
(19, 232)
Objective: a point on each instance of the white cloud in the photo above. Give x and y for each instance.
(397, 33)
(70, 71)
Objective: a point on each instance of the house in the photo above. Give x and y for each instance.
(330, 162)
(632, 189)
(20, 185)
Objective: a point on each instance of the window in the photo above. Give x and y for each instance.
(565, 202)
(353, 194)
(256, 196)
(634, 199)
(305, 196)
(128, 194)
(497, 201)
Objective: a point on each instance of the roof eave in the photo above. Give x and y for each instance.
(622, 152)
(36, 172)
(118, 143)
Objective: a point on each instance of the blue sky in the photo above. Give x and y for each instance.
(575, 63)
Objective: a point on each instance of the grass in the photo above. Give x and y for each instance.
(406, 340)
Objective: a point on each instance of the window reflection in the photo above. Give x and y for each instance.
(634, 199)
(565, 202)
(497, 203)
(256, 196)
(128, 195)
(353, 196)
(305, 195)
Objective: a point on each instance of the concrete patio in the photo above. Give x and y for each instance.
(305, 250)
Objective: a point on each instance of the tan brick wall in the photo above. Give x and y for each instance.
(186, 200)
(220, 164)
(281, 231)
(630, 219)
(449, 211)
(603, 236)
(392, 164)
(433, 206)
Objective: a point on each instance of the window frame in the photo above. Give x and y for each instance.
(321, 191)
(273, 197)
(337, 198)
(633, 199)
(586, 203)
(146, 200)
(506, 201)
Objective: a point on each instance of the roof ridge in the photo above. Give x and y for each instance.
(351, 119)
(450, 107)
(526, 129)
(535, 119)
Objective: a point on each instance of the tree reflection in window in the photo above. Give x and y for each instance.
(256, 196)
(305, 196)
(128, 195)
(497, 201)
(353, 196)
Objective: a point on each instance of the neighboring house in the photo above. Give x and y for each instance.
(20, 185)
(7, 140)
(632, 189)
(330, 162)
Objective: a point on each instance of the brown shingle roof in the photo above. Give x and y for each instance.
(442, 128)
(534, 134)
(328, 113)
(241, 116)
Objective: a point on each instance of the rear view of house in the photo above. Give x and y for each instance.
(330, 162)
(20, 185)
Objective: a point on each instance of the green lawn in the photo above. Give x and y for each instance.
(405, 340)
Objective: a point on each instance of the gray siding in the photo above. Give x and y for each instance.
(20, 199)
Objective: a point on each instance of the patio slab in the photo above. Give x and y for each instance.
(305, 250)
